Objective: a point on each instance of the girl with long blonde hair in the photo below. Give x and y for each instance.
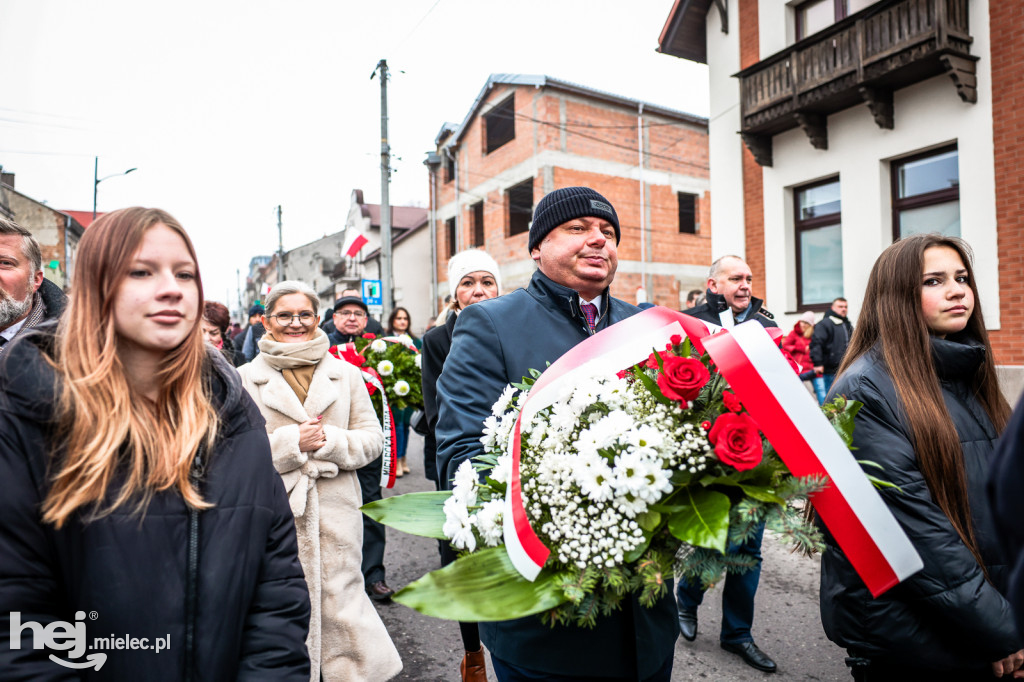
(140, 487)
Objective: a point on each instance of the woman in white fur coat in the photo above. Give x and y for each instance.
(322, 428)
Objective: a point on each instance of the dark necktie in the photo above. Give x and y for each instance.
(590, 310)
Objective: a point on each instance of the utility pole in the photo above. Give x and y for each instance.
(280, 248)
(433, 163)
(643, 207)
(385, 199)
(238, 288)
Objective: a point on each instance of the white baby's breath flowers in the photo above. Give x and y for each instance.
(592, 461)
(378, 345)
(385, 367)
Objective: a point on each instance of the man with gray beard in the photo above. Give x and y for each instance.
(26, 298)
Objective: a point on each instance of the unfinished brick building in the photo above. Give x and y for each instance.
(525, 136)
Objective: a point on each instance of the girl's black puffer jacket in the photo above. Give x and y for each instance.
(223, 587)
(947, 616)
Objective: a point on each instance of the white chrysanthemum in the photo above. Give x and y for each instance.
(401, 388)
(419, 361)
(385, 367)
(378, 345)
(631, 470)
(489, 522)
(658, 484)
(504, 400)
(458, 527)
(594, 477)
(646, 436)
(464, 483)
(502, 470)
(406, 339)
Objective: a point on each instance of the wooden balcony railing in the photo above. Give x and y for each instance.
(863, 58)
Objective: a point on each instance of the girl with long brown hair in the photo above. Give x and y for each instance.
(920, 362)
(139, 482)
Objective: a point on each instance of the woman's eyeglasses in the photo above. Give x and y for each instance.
(285, 319)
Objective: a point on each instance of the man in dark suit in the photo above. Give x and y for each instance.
(729, 301)
(573, 239)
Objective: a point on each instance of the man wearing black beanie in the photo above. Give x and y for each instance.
(573, 240)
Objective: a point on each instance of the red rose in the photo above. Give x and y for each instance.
(675, 340)
(705, 425)
(737, 441)
(732, 403)
(369, 336)
(622, 373)
(652, 361)
(683, 378)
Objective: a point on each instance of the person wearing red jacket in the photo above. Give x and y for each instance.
(798, 344)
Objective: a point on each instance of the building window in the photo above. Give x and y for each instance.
(449, 227)
(687, 213)
(819, 244)
(817, 15)
(448, 164)
(926, 194)
(519, 199)
(478, 223)
(500, 124)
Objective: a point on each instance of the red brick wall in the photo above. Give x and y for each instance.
(753, 186)
(601, 132)
(1007, 44)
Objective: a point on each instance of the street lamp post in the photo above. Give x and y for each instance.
(96, 180)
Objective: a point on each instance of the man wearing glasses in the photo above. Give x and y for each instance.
(350, 317)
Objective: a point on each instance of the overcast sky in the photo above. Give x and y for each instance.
(229, 108)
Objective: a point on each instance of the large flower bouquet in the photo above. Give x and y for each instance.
(627, 478)
(394, 360)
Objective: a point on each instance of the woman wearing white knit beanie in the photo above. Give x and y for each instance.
(473, 276)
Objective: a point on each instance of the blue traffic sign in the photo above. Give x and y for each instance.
(372, 292)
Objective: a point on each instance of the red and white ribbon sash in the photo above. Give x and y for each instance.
(389, 459)
(621, 345)
(773, 395)
(790, 419)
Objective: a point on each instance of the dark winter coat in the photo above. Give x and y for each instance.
(251, 342)
(496, 342)
(946, 616)
(1004, 487)
(436, 344)
(715, 304)
(238, 584)
(829, 341)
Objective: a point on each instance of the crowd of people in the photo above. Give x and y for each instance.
(170, 473)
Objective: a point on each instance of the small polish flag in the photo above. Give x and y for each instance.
(353, 242)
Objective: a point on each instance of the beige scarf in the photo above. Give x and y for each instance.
(296, 361)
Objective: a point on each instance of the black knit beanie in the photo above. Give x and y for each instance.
(567, 203)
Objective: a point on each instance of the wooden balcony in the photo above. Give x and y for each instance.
(863, 58)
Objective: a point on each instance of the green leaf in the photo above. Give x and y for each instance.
(482, 586)
(649, 384)
(687, 347)
(762, 493)
(648, 520)
(414, 513)
(704, 522)
(661, 363)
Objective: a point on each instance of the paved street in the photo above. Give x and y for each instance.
(787, 625)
